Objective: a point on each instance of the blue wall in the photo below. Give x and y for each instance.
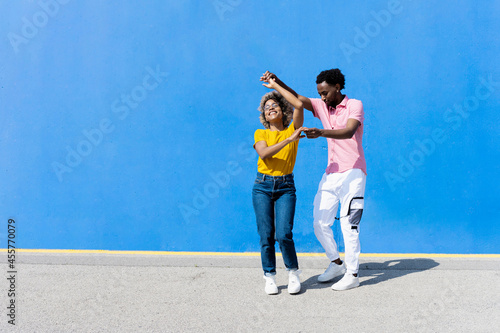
(128, 125)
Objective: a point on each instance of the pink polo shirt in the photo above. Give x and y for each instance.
(343, 154)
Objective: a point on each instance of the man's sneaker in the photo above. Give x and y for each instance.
(271, 287)
(332, 272)
(293, 281)
(349, 281)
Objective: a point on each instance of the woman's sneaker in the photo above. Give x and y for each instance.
(294, 281)
(271, 287)
(332, 272)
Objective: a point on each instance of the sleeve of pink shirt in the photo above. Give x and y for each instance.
(356, 110)
(318, 105)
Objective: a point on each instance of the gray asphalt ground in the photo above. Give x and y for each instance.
(171, 293)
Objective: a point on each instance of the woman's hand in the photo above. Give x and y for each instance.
(296, 135)
(271, 83)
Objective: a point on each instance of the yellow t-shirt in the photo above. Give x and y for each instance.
(283, 162)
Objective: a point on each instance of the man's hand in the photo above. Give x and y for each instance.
(312, 133)
(268, 76)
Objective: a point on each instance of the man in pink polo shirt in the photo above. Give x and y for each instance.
(345, 176)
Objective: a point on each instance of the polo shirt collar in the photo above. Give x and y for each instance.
(342, 104)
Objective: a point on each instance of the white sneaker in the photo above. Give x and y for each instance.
(349, 281)
(294, 281)
(271, 287)
(332, 272)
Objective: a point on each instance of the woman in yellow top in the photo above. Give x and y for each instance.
(273, 194)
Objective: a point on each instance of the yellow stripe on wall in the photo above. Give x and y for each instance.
(255, 254)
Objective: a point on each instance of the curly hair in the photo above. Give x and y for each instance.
(286, 108)
(332, 77)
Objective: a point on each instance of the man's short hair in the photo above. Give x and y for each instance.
(332, 77)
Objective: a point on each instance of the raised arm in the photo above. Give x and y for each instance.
(305, 100)
(298, 113)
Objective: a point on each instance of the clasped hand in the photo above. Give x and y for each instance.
(312, 133)
(297, 134)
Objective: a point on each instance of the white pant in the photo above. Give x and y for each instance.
(348, 188)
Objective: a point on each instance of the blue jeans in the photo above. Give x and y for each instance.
(274, 204)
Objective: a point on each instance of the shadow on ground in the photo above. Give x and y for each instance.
(378, 272)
